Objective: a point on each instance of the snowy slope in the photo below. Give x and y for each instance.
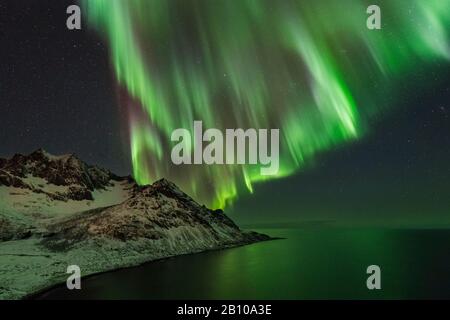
(160, 212)
(57, 211)
(38, 188)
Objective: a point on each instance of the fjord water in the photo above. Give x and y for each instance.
(310, 263)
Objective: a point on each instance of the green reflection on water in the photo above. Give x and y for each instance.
(311, 263)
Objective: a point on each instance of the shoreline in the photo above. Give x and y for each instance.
(37, 294)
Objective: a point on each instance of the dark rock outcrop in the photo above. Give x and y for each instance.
(66, 170)
(160, 211)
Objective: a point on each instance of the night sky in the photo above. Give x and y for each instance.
(398, 174)
(59, 91)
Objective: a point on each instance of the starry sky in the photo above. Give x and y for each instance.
(384, 156)
(57, 90)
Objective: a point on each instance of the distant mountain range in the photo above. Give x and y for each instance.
(60, 207)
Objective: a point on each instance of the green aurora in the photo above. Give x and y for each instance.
(310, 68)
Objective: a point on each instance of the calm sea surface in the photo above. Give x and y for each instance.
(311, 263)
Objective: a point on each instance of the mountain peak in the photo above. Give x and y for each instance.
(168, 187)
(43, 154)
(164, 183)
(39, 151)
(75, 179)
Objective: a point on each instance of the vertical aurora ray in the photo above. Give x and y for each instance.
(309, 68)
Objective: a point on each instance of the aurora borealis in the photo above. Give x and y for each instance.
(364, 123)
(310, 68)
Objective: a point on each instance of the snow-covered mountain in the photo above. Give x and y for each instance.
(65, 170)
(57, 210)
(160, 212)
(39, 187)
